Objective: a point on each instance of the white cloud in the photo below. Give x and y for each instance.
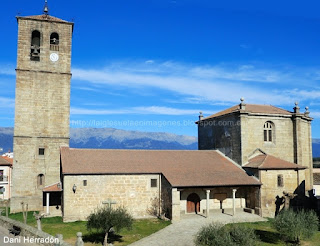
(135, 110)
(215, 84)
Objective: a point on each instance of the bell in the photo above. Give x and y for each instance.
(35, 51)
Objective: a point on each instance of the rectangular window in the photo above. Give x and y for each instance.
(154, 182)
(280, 180)
(84, 182)
(41, 151)
(265, 135)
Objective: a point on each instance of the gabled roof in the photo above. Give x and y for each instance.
(182, 168)
(5, 161)
(252, 108)
(44, 18)
(265, 162)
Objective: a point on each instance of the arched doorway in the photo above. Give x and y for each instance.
(193, 203)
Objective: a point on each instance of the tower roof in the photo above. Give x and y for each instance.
(44, 17)
(252, 108)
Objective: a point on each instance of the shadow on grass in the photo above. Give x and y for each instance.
(268, 236)
(98, 237)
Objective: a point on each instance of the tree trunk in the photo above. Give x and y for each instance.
(105, 242)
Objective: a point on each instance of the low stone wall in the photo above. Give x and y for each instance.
(31, 232)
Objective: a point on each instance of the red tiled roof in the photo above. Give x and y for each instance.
(44, 18)
(52, 188)
(252, 108)
(182, 168)
(265, 161)
(6, 161)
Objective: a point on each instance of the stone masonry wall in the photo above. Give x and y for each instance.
(270, 189)
(223, 134)
(304, 153)
(134, 192)
(252, 137)
(26, 27)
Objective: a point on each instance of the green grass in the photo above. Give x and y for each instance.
(140, 228)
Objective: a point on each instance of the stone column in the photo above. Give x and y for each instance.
(207, 205)
(48, 201)
(234, 201)
(175, 205)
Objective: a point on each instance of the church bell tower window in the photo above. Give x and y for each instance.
(54, 41)
(35, 46)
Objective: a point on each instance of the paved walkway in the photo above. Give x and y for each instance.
(182, 233)
(10, 240)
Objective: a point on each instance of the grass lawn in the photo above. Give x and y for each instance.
(140, 228)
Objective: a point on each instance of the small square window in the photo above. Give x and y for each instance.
(154, 182)
(84, 182)
(41, 151)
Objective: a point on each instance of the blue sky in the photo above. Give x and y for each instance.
(152, 65)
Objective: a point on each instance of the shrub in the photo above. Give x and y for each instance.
(242, 235)
(218, 235)
(213, 235)
(294, 226)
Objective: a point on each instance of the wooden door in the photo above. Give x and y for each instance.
(193, 203)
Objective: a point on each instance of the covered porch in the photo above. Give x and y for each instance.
(210, 201)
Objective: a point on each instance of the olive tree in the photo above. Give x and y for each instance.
(105, 219)
(296, 225)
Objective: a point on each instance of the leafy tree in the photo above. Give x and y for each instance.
(294, 226)
(105, 219)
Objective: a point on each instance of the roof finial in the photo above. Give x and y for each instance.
(200, 115)
(46, 9)
(296, 108)
(242, 104)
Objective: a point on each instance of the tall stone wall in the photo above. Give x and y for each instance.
(252, 137)
(134, 192)
(222, 133)
(41, 112)
(303, 143)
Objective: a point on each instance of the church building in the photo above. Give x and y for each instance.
(270, 143)
(248, 154)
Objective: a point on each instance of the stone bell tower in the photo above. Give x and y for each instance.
(42, 106)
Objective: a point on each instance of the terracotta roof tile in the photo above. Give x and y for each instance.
(52, 188)
(182, 168)
(44, 18)
(252, 108)
(265, 161)
(6, 161)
